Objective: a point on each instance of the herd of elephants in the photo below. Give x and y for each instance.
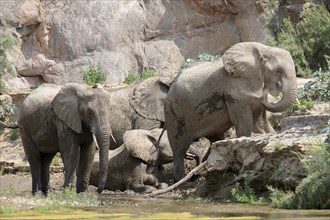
(137, 128)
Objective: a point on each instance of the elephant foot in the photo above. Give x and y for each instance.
(162, 185)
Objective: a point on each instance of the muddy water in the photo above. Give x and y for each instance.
(200, 209)
(132, 207)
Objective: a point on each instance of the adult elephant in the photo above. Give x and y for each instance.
(210, 97)
(64, 119)
(137, 106)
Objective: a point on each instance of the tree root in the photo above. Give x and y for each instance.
(194, 171)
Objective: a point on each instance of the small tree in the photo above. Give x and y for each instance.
(7, 43)
(308, 41)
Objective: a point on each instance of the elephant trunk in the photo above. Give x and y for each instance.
(289, 92)
(103, 140)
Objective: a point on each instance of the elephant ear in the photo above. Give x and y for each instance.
(141, 145)
(148, 97)
(65, 105)
(245, 60)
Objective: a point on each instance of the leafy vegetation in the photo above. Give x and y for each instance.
(7, 43)
(57, 160)
(14, 134)
(199, 58)
(245, 194)
(308, 41)
(317, 89)
(132, 78)
(7, 108)
(94, 74)
(55, 201)
(313, 191)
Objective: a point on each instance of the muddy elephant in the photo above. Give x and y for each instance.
(64, 119)
(137, 106)
(208, 98)
(134, 165)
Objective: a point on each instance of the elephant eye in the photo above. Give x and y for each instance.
(89, 112)
(279, 71)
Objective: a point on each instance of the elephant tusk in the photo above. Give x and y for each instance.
(113, 138)
(96, 144)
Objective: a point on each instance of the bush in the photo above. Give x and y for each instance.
(313, 191)
(132, 78)
(7, 108)
(317, 89)
(245, 194)
(7, 43)
(199, 58)
(94, 74)
(308, 41)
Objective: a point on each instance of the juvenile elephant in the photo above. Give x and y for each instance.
(64, 119)
(137, 106)
(134, 165)
(210, 97)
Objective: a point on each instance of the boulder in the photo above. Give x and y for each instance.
(265, 160)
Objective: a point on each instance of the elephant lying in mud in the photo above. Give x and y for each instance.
(134, 165)
(64, 119)
(137, 106)
(208, 98)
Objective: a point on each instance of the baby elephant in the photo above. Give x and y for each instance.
(134, 165)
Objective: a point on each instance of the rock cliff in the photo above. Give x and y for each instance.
(59, 38)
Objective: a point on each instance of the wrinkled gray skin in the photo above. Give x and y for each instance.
(208, 98)
(134, 165)
(138, 106)
(62, 119)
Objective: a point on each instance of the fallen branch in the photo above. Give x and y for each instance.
(194, 171)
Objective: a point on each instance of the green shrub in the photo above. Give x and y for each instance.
(94, 74)
(132, 78)
(308, 41)
(313, 191)
(14, 134)
(199, 58)
(245, 194)
(147, 74)
(7, 108)
(317, 89)
(301, 107)
(272, 19)
(7, 43)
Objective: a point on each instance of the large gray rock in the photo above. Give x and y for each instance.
(61, 38)
(266, 160)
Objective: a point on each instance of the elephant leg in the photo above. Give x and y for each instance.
(33, 155)
(87, 153)
(137, 186)
(69, 149)
(180, 147)
(241, 116)
(35, 166)
(46, 159)
(262, 124)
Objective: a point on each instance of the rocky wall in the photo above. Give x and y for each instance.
(59, 38)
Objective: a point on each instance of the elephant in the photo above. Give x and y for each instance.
(137, 106)
(65, 119)
(208, 98)
(134, 165)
